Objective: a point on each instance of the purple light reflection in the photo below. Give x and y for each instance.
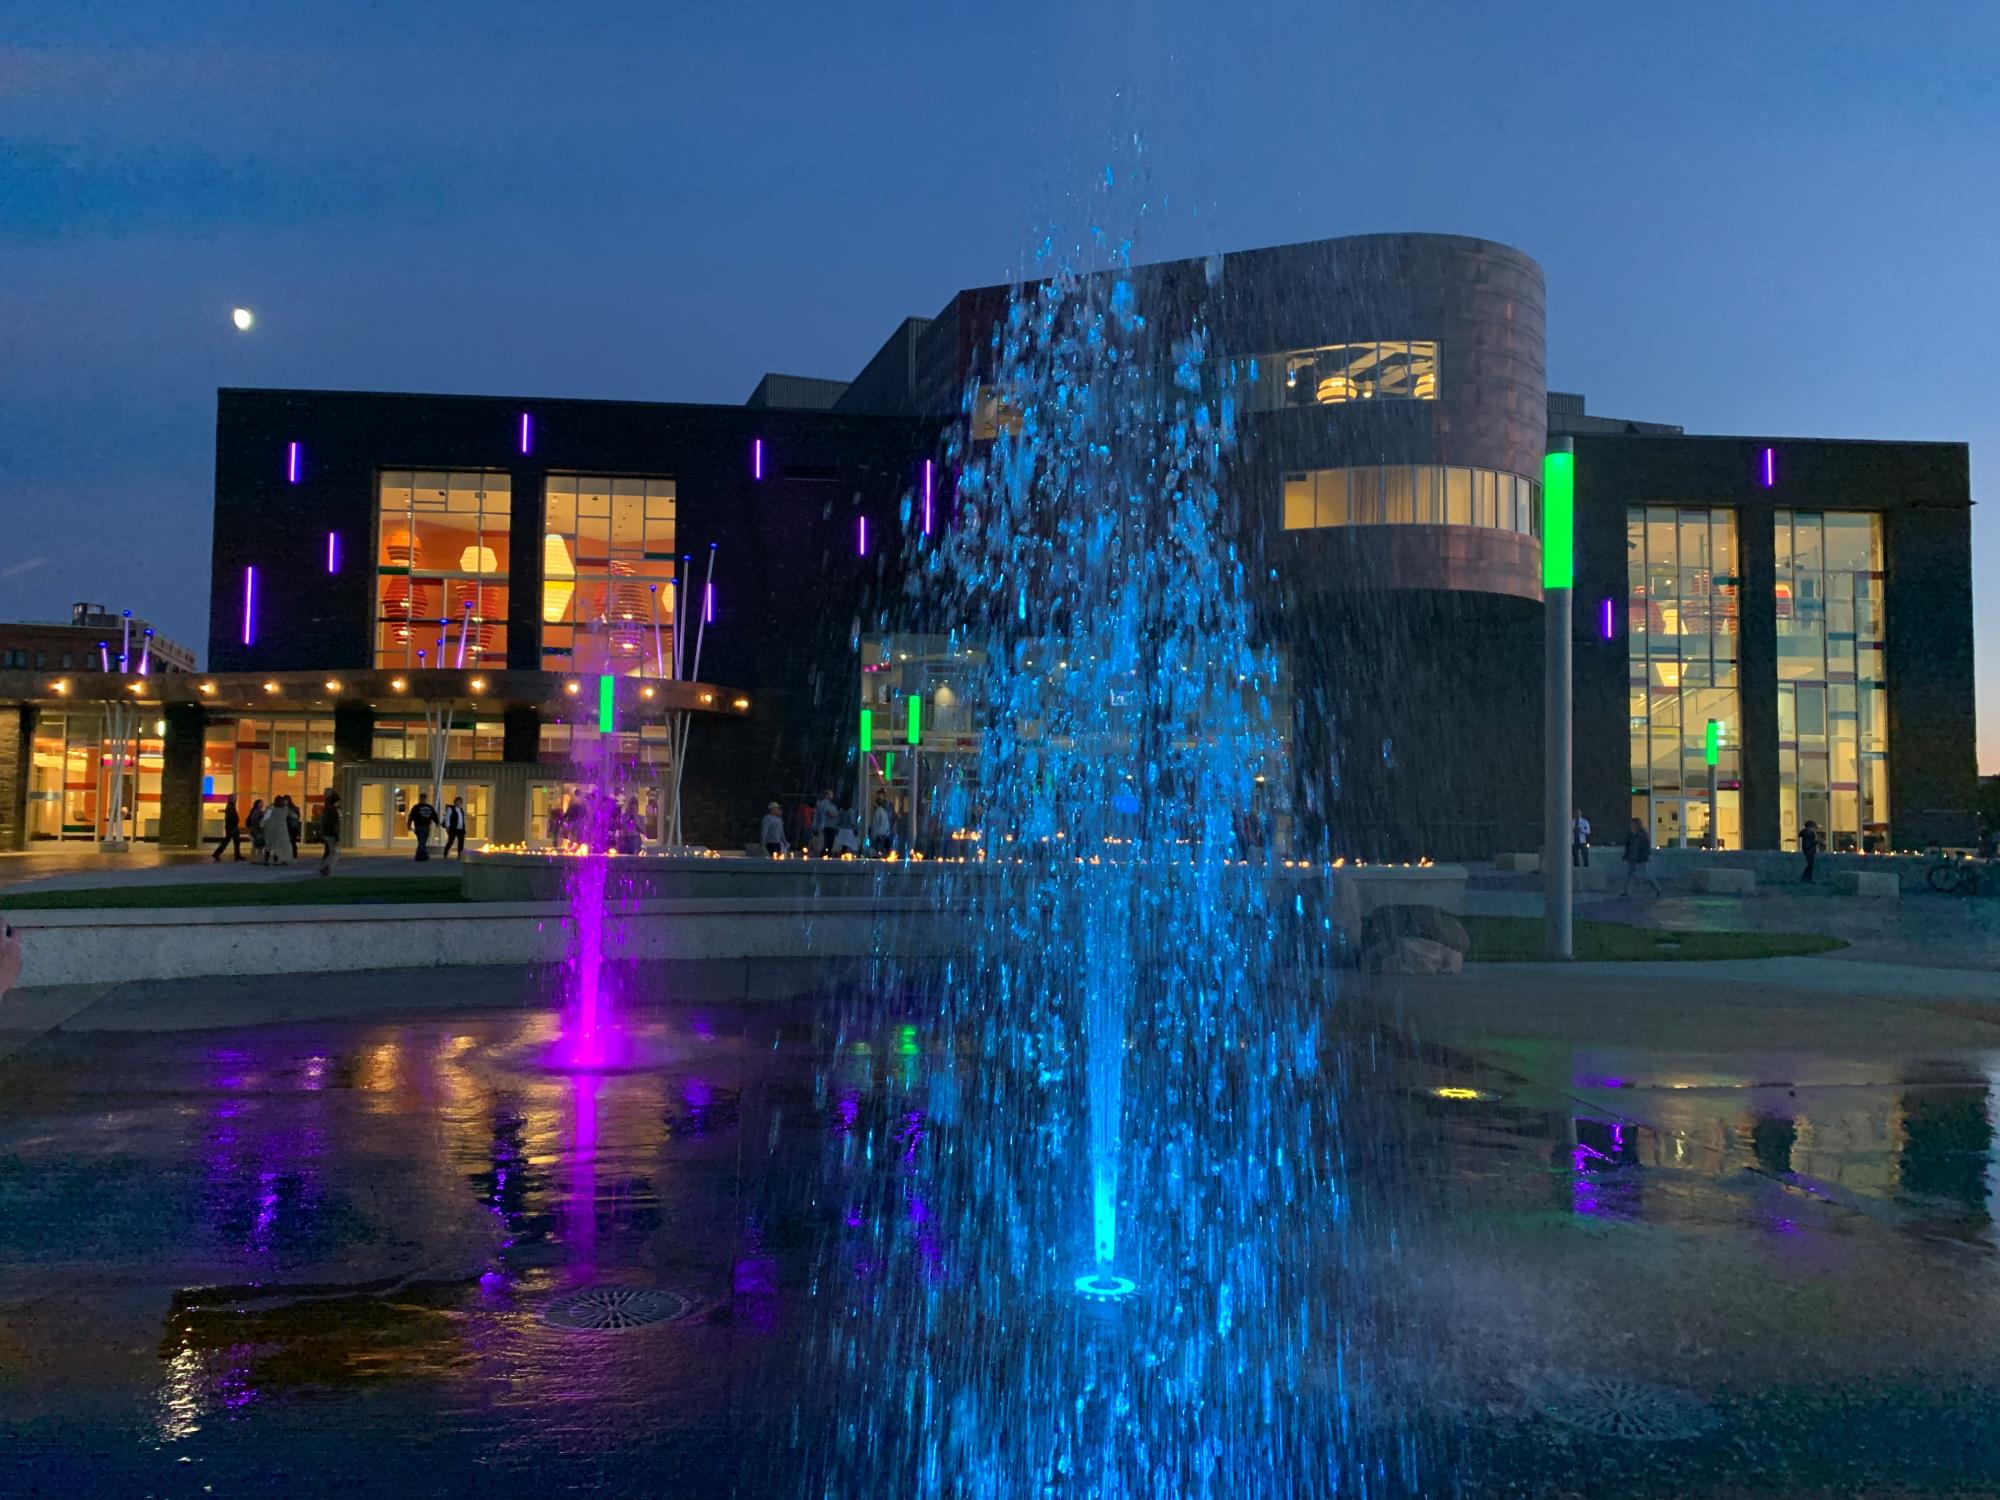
(292, 463)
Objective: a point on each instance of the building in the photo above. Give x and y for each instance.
(382, 561)
(94, 640)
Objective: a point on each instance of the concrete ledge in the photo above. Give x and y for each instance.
(900, 918)
(1719, 881)
(1873, 885)
(1518, 864)
(1591, 879)
(109, 947)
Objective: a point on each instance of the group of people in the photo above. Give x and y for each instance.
(276, 832)
(599, 823)
(827, 829)
(425, 819)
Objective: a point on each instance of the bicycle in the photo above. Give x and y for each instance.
(1955, 875)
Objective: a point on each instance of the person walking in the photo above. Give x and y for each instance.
(771, 832)
(232, 831)
(253, 823)
(454, 828)
(423, 818)
(329, 833)
(294, 823)
(1579, 841)
(277, 834)
(1809, 847)
(826, 818)
(847, 839)
(1639, 858)
(881, 827)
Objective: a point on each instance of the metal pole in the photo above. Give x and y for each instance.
(1712, 742)
(1558, 589)
(694, 675)
(916, 761)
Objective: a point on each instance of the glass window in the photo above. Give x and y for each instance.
(1832, 696)
(441, 569)
(1333, 374)
(608, 573)
(1298, 502)
(1682, 645)
(1398, 495)
(1458, 496)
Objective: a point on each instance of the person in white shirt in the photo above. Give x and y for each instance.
(771, 834)
(1579, 841)
(881, 829)
(454, 828)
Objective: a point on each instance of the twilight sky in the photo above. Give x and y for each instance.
(1770, 218)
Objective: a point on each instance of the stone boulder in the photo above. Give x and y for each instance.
(1411, 955)
(1387, 923)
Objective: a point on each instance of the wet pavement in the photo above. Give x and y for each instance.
(1650, 1237)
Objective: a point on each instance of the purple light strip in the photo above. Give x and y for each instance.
(861, 536)
(927, 497)
(1770, 468)
(527, 432)
(1608, 631)
(708, 603)
(756, 458)
(104, 655)
(292, 463)
(333, 552)
(249, 603)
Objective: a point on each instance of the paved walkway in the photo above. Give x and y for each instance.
(84, 870)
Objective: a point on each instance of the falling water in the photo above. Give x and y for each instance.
(1128, 1149)
(590, 1035)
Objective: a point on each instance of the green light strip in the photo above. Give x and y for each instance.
(1713, 745)
(867, 730)
(916, 719)
(1559, 521)
(292, 759)
(888, 765)
(607, 703)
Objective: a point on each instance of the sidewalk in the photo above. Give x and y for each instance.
(86, 869)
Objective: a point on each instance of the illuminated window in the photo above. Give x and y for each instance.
(1681, 660)
(1334, 374)
(1401, 494)
(1833, 696)
(441, 569)
(608, 576)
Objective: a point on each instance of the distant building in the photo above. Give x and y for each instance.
(94, 640)
(383, 560)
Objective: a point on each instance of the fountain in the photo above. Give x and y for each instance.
(1129, 1146)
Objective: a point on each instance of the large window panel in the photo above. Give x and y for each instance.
(1401, 495)
(608, 573)
(441, 568)
(1681, 648)
(1833, 697)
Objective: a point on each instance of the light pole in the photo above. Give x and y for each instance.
(1558, 586)
(1712, 747)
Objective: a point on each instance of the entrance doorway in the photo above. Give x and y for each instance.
(1682, 822)
(383, 815)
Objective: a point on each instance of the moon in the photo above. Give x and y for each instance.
(242, 317)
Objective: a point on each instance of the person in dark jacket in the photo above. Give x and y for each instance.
(253, 824)
(454, 828)
(232, 830)
(329, 833)
(1809, 847)
(423, 818)
(1639, 858)
(294, 821)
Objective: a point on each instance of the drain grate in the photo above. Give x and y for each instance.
(1610, 1407)
(613, 1309)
